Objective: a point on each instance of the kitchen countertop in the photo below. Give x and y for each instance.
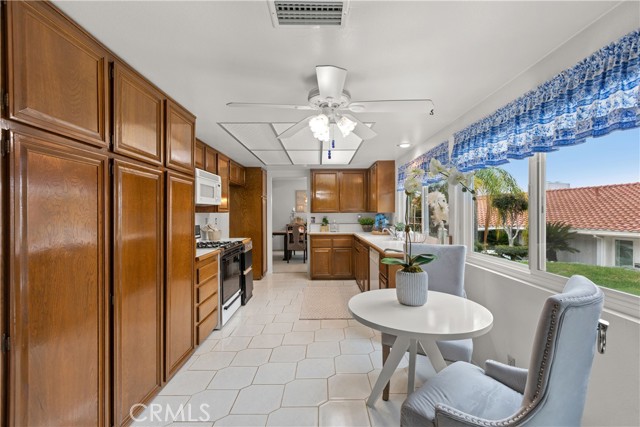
(380, 242)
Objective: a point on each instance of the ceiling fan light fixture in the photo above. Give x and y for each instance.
(346, 126)
(319, 126)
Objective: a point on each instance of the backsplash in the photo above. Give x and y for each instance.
(211, 218)
(347, 222)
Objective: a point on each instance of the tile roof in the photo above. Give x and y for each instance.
(606, 207)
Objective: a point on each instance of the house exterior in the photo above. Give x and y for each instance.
(605, 219)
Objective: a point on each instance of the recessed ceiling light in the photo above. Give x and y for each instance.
(404, 145)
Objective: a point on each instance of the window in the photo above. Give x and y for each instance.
(624, 253)
(501, 211)
(592, 202)
(437, 204)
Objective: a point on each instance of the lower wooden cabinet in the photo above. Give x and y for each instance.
(207, 285)
(361, 264)
(138, 282)
(180, 253)
(331, 257)
(58, 293)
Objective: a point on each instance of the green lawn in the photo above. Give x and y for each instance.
(621, 279)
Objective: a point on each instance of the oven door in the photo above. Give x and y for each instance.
(230, 272)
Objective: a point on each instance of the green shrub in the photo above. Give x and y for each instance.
(514, 253)
(366, 220)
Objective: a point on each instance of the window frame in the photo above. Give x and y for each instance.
(534, 274)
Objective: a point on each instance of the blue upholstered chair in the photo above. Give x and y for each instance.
(551, 392)
(446, 274)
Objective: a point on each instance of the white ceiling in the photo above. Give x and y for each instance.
(207, 53)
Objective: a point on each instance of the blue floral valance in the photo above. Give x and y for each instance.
(440, 152)
(595, 97)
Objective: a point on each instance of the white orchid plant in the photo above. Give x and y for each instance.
(410, 264)
(453, 175)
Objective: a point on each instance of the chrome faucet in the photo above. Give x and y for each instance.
(393, 232)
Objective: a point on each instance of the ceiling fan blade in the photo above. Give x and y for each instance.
(361, 130)
(295, 128)
(330, 80)
(261, 105)
(392, 106)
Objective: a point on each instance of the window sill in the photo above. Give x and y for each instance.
(616, 302)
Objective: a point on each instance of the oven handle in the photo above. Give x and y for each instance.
(244, 273)
(226, 307)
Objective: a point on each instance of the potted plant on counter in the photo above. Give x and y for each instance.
(325, 224)
(366, 223)
(412, 282)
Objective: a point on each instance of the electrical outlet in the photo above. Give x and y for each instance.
(511, 361)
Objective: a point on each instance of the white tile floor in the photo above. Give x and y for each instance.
(267, 368)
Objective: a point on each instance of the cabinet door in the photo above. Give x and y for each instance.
(223, 171)
(137, 116)
(180, 140)
(179, 302)
(353, 191)
(358, 265)
(210, 160)
(137, 286)
(58, 295)
(56, 74)
(236, 174)
(320, 263)
(372, 202)
(342, 263)
(324, 191)
(199, 154)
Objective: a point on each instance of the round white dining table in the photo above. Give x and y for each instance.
(444, 317)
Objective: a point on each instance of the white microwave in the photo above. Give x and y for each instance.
(208, 188)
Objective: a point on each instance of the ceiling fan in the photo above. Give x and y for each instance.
(335, 103)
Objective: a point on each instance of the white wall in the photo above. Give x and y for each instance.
(283, 194)
(614, 388)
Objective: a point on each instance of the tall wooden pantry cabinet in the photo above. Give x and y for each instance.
(96, 179)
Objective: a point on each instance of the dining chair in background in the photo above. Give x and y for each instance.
(446, 274)
(297, 241)
(551, 392)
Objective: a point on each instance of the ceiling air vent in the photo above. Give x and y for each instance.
(290, 13)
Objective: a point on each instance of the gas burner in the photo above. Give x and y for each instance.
(222, 244)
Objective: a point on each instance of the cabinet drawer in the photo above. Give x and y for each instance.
(207, 271)
(342, 242)
(207, 307)
(206, 289)
(321, 242)
(207, 326)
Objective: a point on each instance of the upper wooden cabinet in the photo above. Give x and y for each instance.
(57, 75)
(59, 289)
(224, 165)
(210, 160)
(325, 191)
(382, 188)
(236, 175)
(137, 116)
(180, 140)
(353, 191)
(338, 191)
(199, 154)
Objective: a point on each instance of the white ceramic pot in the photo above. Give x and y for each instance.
(411, 288)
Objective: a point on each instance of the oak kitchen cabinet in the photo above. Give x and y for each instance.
(180, 138)
(207, 285)
(138, 285)
(199, 154)
(58, 286)
(354, 190)
(331, 257)
(361, 264)
(64, 91)
(236, 174)
(179, 295)
(224, 165)
(248, 218)
(382, 186)
(99, 272)
(138, 117)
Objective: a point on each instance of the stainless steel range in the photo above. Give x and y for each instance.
(230, 292)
